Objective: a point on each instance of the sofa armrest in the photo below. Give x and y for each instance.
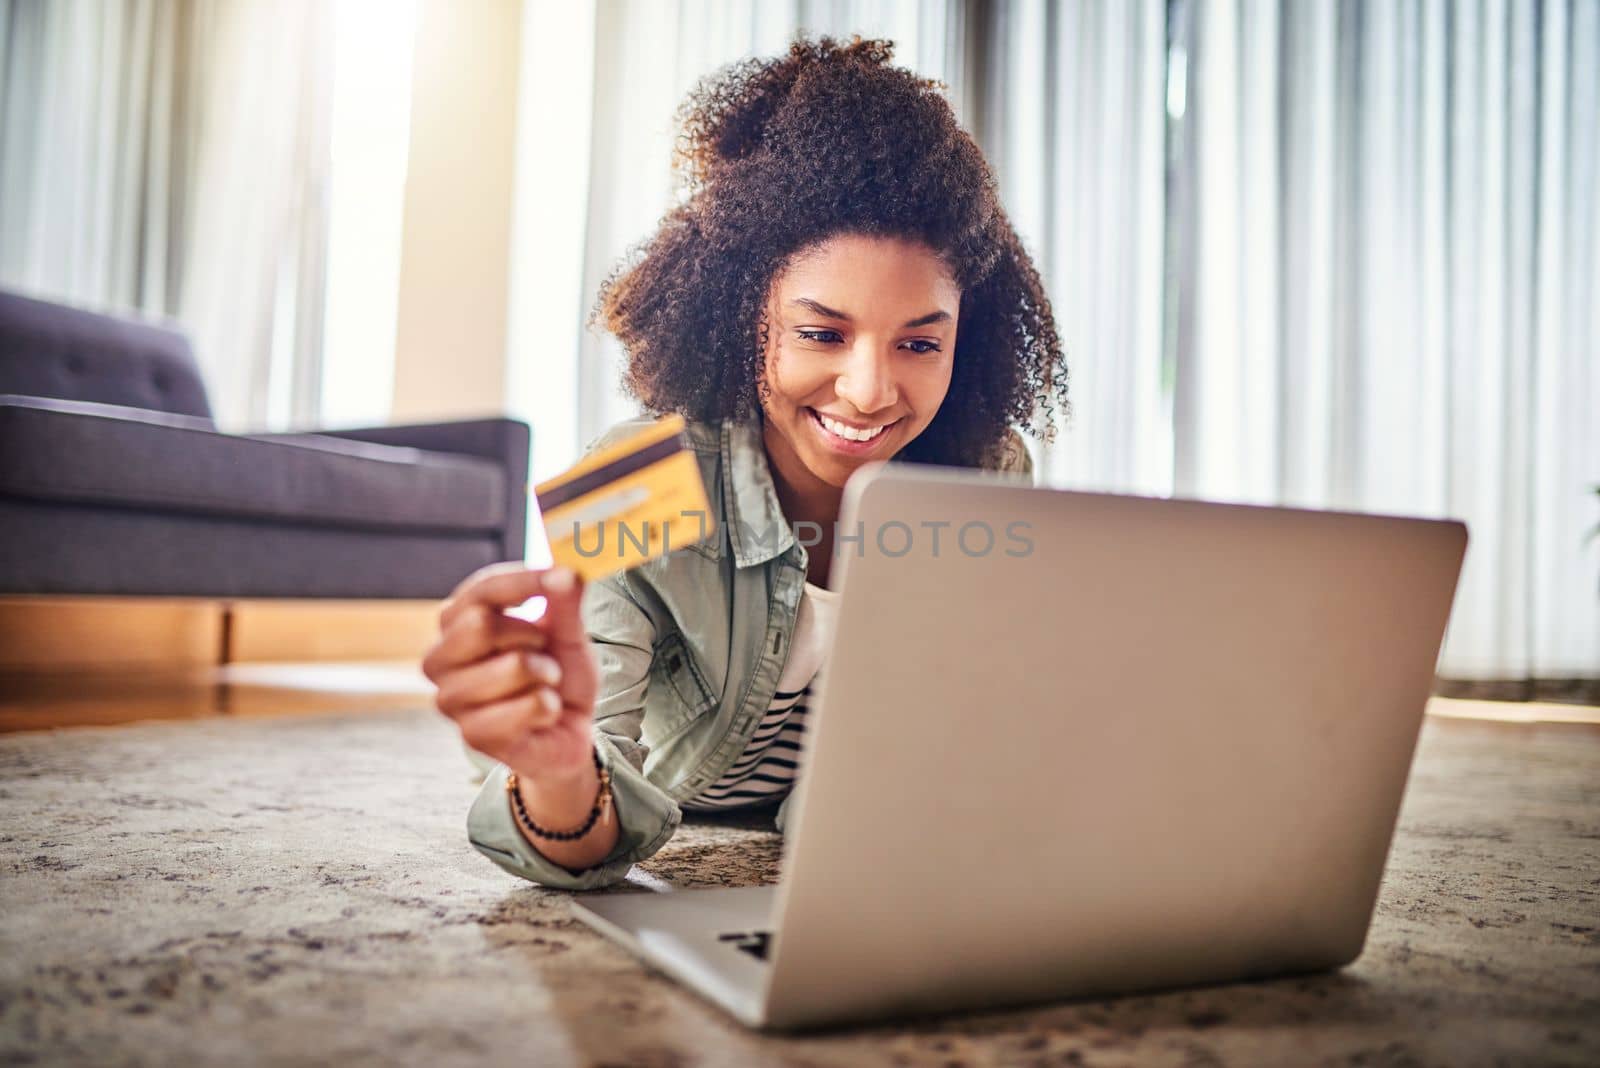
(505, 441)
(108, 411)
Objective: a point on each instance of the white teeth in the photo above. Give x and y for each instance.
(850, 432)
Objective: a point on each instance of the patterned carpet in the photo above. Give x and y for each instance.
(301, 890)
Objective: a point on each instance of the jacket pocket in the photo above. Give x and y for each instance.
(677, 678)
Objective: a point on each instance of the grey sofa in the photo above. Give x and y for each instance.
(115, 480)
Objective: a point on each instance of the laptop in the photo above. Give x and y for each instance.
(1080, 745)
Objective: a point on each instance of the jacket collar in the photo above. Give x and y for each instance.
(757, 529)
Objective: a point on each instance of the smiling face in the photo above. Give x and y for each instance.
(861, 343)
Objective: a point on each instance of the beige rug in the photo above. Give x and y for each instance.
(301, 891)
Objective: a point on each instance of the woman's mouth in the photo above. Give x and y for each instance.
(845, 438)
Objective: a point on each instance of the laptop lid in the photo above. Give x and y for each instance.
(1077, 744)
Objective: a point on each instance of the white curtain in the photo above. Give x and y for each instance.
(1391, 291)
(171, 157)
(1074, 124)
(92, 142)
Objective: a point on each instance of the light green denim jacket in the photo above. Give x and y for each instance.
(690, 646)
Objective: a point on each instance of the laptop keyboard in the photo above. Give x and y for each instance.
(752, 942)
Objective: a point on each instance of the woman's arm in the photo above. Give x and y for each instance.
(568, 803)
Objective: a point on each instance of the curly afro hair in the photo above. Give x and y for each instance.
(777, 155)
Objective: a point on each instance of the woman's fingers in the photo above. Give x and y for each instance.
(477, 633)
(496, 678)
(563, 593)
(569, 638)
(497, 586)
(499, 726)
(520, 691)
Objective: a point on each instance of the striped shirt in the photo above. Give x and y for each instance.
(771, 760)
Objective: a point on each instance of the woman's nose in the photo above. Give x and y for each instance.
(867, 380)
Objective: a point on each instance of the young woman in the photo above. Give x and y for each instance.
(840, 285)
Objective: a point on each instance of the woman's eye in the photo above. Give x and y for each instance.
(920, 346)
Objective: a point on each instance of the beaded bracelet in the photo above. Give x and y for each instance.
(602, 803)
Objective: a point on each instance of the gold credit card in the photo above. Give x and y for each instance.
(627, 503)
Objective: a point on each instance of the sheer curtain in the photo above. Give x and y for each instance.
(1074, 124)
(1391, 295)
(171, 157)
(94, 142)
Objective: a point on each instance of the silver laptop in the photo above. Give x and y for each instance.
(1084, 745)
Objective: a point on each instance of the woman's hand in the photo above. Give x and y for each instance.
(522, 693)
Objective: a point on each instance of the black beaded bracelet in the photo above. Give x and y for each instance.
(602, 802)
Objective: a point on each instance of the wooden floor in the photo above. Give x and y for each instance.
(98, 661)
(43, 701)
(87, 661)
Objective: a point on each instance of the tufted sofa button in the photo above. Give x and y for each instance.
(74, 364)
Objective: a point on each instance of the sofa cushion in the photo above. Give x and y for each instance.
(58, 548)
(51, 350)
(101, 454)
